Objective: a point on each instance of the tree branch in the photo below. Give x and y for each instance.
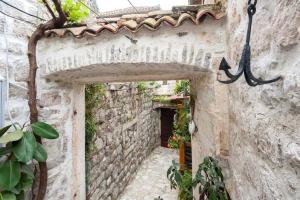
(56, 22)
(62, 16)
(49, 9)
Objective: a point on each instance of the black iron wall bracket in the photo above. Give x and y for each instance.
(245, 64)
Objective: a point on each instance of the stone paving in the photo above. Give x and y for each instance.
(151, 180)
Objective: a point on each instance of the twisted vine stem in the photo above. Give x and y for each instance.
(55, 22)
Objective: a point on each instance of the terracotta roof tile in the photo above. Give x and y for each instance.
(151, 21)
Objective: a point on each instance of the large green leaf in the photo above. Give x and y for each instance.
(25, 148)
(4, 129)
(40, 153)
(10, 137)
(44, 130)
(9, 174)
(8, 196)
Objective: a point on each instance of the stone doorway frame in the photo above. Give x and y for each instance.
(162, 55)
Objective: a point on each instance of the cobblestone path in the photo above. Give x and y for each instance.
(151, 179)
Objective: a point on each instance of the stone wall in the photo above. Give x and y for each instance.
(264, 121)
(128, 129)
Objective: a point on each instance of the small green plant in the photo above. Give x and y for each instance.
(141, 86)
(21, 148)
(181, 181)
(210, 181)
(182, 87)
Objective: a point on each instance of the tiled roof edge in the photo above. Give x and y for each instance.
(134, 25)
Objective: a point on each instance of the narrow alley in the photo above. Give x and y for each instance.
(151, 180)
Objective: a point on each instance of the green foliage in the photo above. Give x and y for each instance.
(40, 154)
(182, 87)
(160, 98)
(210, 181)
(21, 148)
(94, 93)
(141, 86)
(15, 136)
(25, 148)
(181, 181)
(181, 126)
(76, 12)
(44, 130)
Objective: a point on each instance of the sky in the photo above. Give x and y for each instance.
(108, 5)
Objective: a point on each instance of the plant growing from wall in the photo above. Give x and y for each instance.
(141, 86)
(94, 93)
(181, 181)
(210, 181)
(59, 19)
(160, 99)
(182, 87)
(21, 148)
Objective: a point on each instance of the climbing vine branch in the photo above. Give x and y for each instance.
(55, 22)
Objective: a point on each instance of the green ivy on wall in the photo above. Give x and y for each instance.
(94, 93)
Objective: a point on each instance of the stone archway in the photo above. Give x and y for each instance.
(66, 64)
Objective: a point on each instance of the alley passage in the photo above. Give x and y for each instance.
(151, 179)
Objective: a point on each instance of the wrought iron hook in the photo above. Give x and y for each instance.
(245, 62)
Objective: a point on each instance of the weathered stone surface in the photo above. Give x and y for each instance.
(264, 121)
(127, 131)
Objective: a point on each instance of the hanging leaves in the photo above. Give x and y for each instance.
(3, 130)
(44, 130)
(9, 175)
(40, 153)
(210, 180)
(25, 148)
(10, 137)
(16, 176)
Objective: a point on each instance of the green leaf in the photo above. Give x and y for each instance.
(40, 153)
(8, 196)
(178, 178)
(10, 137)
(3, 130)
(9, 174)
(44, 130)
(25, 148)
